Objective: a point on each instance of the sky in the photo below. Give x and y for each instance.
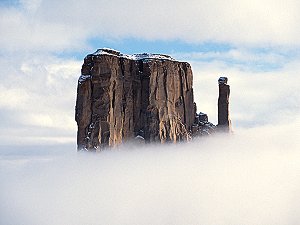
(43, 43)
(256, 44)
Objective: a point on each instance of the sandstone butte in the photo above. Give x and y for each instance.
(143, 98)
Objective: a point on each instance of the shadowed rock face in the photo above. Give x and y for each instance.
(120, 97)
(224, 123)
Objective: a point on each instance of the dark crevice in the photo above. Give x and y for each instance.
(165, 74)
(114, 95)
(145, 89)
(182, 94)
(122, 66)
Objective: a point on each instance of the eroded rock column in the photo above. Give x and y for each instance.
(224, 123)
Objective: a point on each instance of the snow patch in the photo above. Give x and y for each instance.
(150, 56)
(83, 78)
(107, 51)
(142, 56)
(223, 80)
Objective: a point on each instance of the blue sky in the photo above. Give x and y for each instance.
(42, 45)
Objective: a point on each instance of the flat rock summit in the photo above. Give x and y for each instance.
(142, 98)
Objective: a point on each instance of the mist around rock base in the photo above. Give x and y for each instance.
(251, 177)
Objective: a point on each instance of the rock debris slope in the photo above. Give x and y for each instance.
(144, 96)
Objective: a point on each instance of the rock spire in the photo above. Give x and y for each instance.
(224, 123)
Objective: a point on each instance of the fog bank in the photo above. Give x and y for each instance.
(251, 177)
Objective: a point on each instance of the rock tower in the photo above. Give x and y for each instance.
(224, 123)
(120, 97)
(142, 98)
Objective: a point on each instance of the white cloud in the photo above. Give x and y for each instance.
(245, 58)
(57, 25)
(249, 178)
(37, 98)
(31, 5)
(25, 31)
(13, 98)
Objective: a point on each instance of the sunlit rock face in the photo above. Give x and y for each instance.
(121, 97)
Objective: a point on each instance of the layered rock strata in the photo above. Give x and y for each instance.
(120, 97)
(224, 122)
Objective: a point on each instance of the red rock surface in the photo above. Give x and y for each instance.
(120, 97)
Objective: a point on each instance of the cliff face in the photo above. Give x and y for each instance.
(120, 97)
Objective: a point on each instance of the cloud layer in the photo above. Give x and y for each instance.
(249, 178)
(65, 25)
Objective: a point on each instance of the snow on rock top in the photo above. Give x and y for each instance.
(223, 80)
(83, 78)
(150, 56)
(142, 56)
(106, 51)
